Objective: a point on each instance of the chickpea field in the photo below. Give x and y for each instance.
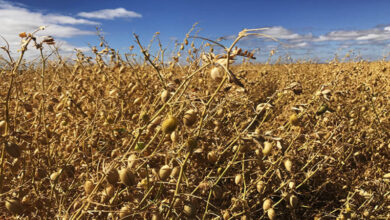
(207, 133)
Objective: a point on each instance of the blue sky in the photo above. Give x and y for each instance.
(312, 29)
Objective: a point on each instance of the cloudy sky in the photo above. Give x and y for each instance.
(313, 29)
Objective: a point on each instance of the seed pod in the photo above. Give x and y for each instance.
(113, 177)
(204, 185)
(132, 161)
(291, 185)
(178, 202)
(26, 200)
(293, 200)
(109, 191)
(322, 109)
(139, 146)
(113, 92)
(226, 215)
(244, 148)
(189, 118)
(14, 206)
(43, 140)
(153, 124)
(69, 171)
(175, 172)
(36, 96)
(294, 119)
(143, 116)
(188, 210)
(216, 73)
(127, 177)
(238, 179)
(88, 187)
(134, 116)
(260, 186)
(244, 217)
(288, 165)
(258, 153)
(2, 127)
(156, 216)
(54, 176)
(220, 112)
(169, 125)
(164, 172)
(28, 107)
(116, 152)
(271, 213)
(29, 115)
(212, 157)
(217, 192)
(192, 143)
(124, 213)
(13, 150)
(267, 148)
(143, 183)
(267, 204)
(174, 137)
(164, 96)
(137, 101)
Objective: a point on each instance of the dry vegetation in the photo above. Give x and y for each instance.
(115, 137)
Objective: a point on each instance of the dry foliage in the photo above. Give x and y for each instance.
(115, 137)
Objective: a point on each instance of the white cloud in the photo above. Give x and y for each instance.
(365, 41)
(61, 19)
(374, 34)
(282, 33)
(298, 45)
(290, 39)
(110, 14)
(15, 19)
